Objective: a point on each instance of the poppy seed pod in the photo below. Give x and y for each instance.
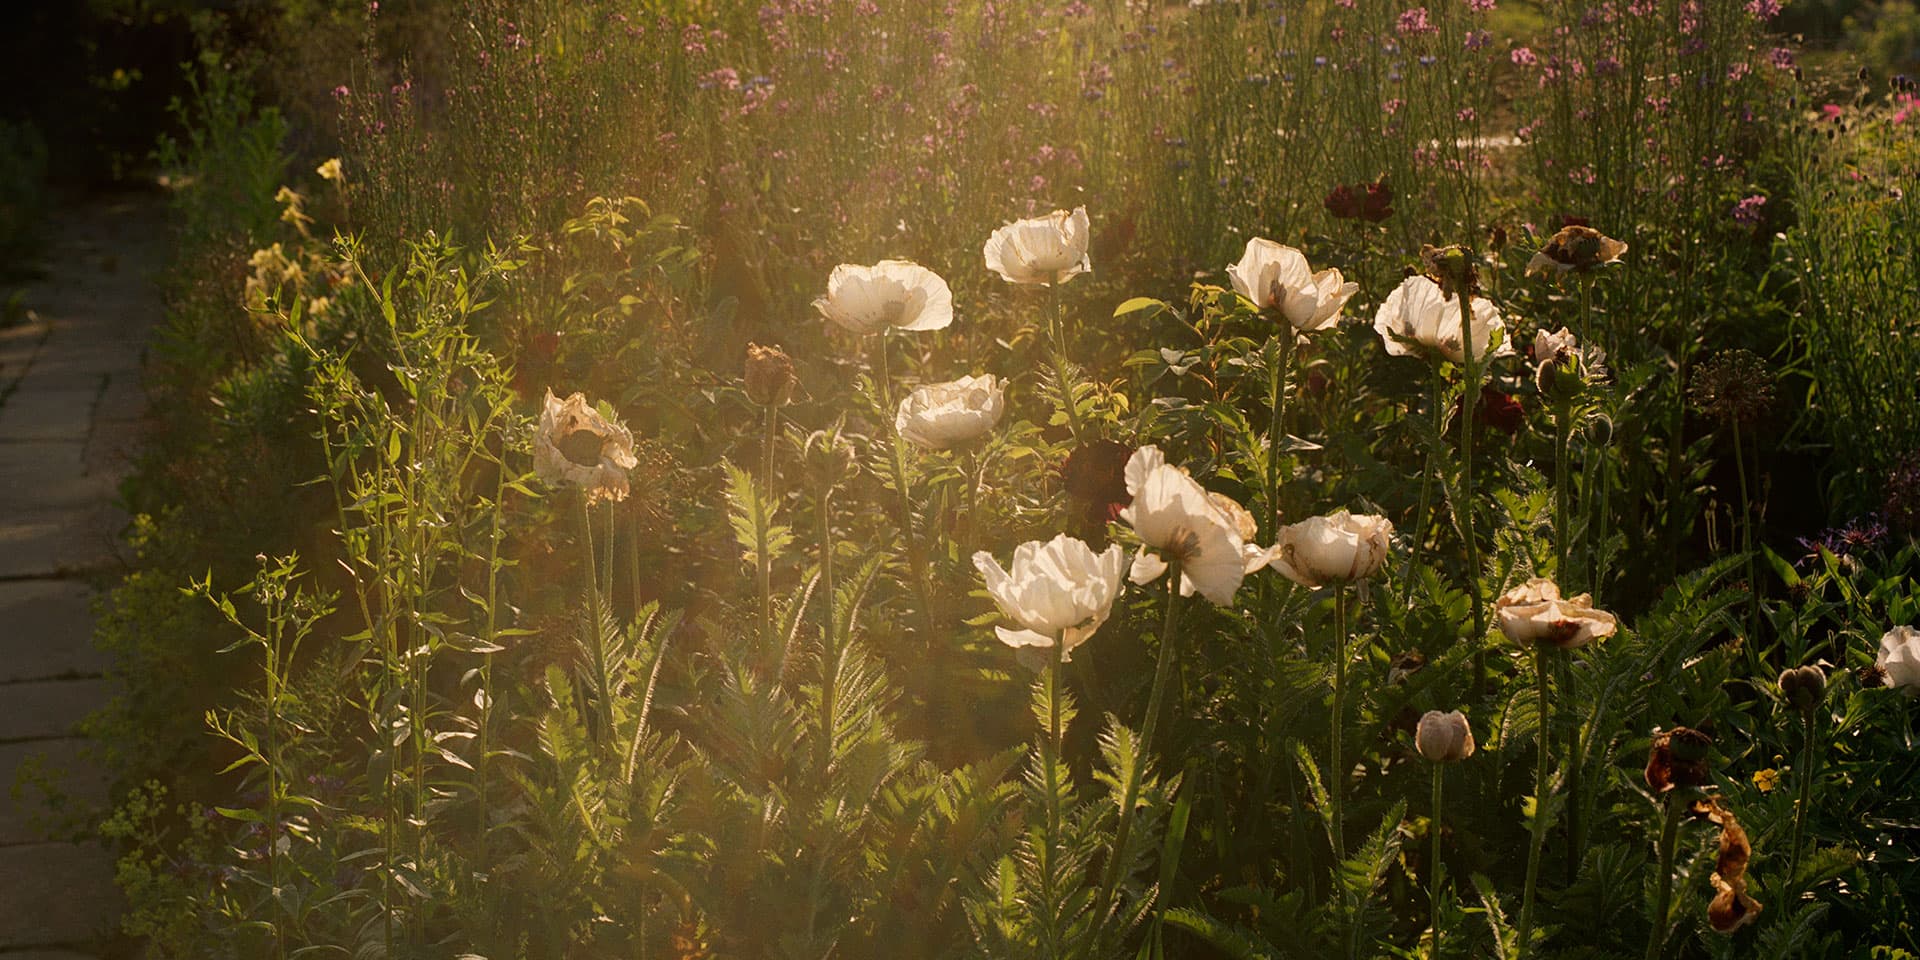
(1452, 267)
(1803, 687)
(1444, 737)
(769, 375)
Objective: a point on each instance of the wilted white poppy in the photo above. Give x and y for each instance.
(1534, 612)
(1049, 250)
(1417, 316)
(1276, 277)
(1900, 658)
(1059, 591)
(574, 444)
(1174, 515)
(943, 415)
(891, 293)
(1338, 548)
(1575, 248)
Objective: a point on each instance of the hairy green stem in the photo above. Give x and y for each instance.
(1537, 841)
(1746, 530)
(1057, 326)
(916, 554)
(1433, 867)
(1420, 520)
(1162, 670)
(763, 516)
(1051, 761)
(1337, 772)
(1663, 898)
(1277, 370)
(1469, 401)
(596, 637)
(1809, 771)
(830, 647)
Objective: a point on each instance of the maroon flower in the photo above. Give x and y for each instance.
(1501, 411)
(1372, 202)
(1096, 480)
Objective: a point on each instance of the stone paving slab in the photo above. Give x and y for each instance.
(47, 709)
(39, 411)
(38, 475)
(56, 895)
(60, 542)
(81, 787)
(39, 620)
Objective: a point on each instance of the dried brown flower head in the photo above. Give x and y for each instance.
(1678, 759)
(769, 375)
(1733, 386)
(1731, 908)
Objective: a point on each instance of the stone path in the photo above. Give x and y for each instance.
(70, 409)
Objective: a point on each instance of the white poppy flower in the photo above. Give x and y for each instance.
(891, 293)
(1419, 312)
(943, 415)
(1049, 250)
(1547, 347)
(1172, 513)
(1534, 612)
(1059, 591)
(1276, 277)
(1900, 658)
(574, 444)
(1338, 548)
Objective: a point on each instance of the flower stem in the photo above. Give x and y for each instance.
(916, 556)
(1537, 842)
(830, 647)
(762, 519)
(1663, 899)
(1420, 521)
(1058, 328)
(1433, 867)
(1051, 761)
(1746, 529)
(1464, 507)
(1337, 772)
(1562, 497)
(1162, 669)
(1277, 370)
(596, 634)
(1809, 771)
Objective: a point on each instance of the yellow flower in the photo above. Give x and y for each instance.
(331, 171)
(1766, 779)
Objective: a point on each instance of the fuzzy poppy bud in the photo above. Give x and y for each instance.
(829, 457)
(1803, 687)
(1444, 737)
(1600, 431)
(769, 375)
